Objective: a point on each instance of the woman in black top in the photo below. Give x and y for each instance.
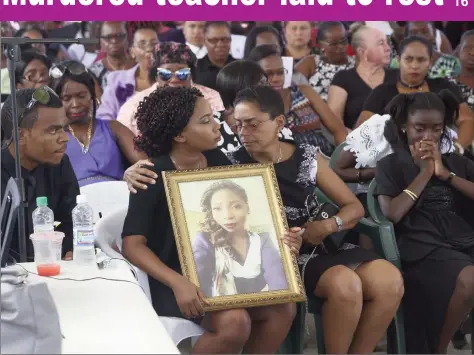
(179, 132)
(429, 197)
(415, 53)
(350, 88)
(361, 292)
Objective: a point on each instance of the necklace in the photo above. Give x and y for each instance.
(85, 147)
(416, 87)
(280, 155)
(181, 168)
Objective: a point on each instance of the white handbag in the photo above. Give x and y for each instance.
(29, 318)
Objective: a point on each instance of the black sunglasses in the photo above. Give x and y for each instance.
(58, 70)
(42, 96)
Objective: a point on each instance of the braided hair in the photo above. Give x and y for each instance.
(172, 53)
(217, 234)
(403, 105)
(162, 116)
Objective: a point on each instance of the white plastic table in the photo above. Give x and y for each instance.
(106, 317)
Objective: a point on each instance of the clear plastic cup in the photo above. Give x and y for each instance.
(48, 248)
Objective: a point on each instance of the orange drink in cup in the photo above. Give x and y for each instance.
(48, 248)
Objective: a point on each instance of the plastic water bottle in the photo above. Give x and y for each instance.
(43, 216)
(83, 230)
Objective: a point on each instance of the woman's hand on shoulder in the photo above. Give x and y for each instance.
(138, 176)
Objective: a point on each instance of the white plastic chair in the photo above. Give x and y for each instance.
(106, 197)
(109, 230)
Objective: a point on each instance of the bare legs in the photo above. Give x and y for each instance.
(270, 326)
(382, 286)
(256, 330)
(227, 332)
(350, 325)
(342, 290)
(460, 304)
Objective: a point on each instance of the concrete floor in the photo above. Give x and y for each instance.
(311, 348)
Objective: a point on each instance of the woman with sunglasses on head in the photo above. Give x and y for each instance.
(305, 111)
(96, 147)
(122, 84)
(320, 69)
(178, 131)
(361, 292)
(415, 54)
(428, 195)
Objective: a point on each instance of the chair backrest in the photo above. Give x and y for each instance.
(109, 230)
(373, 204)
(335, 155)
(332, 163)
(8, 215)
(106, 197)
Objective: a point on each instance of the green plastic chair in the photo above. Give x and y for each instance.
(384, 242)
(377, 215)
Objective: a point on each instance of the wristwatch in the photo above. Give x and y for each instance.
(339, 222)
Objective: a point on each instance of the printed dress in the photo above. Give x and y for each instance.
(297, 181)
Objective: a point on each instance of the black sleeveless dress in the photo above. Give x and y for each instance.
(297, 180)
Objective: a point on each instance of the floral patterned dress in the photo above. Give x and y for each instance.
(324, 73)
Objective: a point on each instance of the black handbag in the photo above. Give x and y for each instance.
(320, 212)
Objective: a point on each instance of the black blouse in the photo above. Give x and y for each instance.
(357, 91)
(383, 94)
(148, 215)
(441, 217)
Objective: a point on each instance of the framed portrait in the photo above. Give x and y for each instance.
(228, 223)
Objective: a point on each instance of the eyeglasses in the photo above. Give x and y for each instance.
(342, 41)
(75, 68)
(181, 74)
(278, 72)
(224, 40)
(252, 126)
(37, 77)
(146, 44)
(118, 37)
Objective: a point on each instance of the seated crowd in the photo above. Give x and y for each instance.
(154, 97)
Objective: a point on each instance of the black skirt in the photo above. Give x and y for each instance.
(348, 255)
(429, 285)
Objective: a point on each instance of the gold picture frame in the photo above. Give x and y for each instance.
(183, 191)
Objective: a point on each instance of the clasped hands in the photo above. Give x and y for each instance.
(427, 156)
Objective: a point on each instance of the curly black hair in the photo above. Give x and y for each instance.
(403, 105)
(217, 234)
(162, 116)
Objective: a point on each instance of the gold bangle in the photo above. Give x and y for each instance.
(411, 194)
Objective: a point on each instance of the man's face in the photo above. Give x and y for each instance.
(45, 142)
(217, 41)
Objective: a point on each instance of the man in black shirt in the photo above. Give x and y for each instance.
(217, 41)
(46, 170)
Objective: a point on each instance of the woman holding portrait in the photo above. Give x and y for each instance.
(361, 292)
(178, 131)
